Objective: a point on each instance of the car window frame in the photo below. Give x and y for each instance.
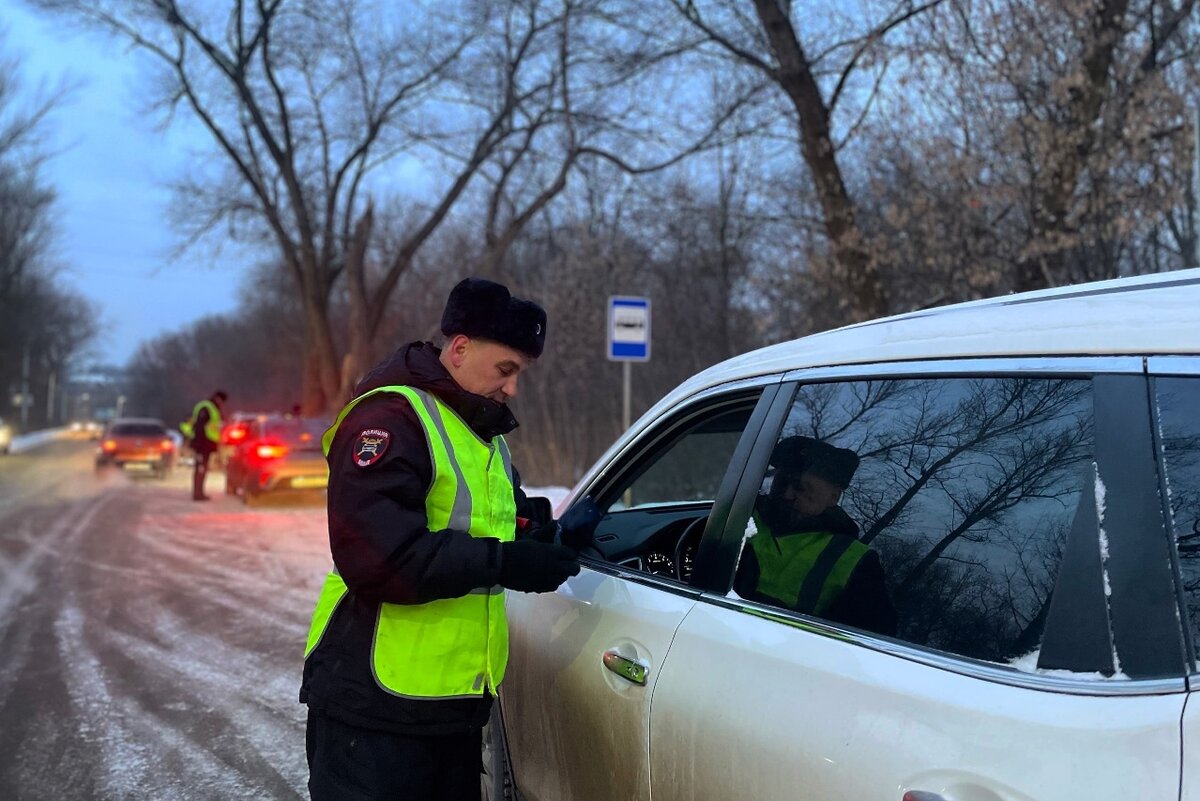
(651, 439)
(1173, 367)
(728, 549)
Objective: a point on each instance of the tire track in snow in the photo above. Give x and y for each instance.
(148, 720)
(21, 577)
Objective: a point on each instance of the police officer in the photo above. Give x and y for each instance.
(805, 554)
(409, 641)
(203, 431)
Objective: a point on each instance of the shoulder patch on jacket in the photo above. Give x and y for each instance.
(370, 445)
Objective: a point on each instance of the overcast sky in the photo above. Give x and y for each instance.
(109, 170)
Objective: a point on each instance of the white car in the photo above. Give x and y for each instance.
(1028, 475)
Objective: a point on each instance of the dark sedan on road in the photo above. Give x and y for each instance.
(137, 445)
(280, 454)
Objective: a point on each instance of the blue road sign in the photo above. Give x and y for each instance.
(628, 329)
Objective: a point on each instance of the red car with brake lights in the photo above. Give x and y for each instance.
(279, 455)
(137, 445)
(234, 433)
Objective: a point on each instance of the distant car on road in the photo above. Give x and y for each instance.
(6, 436)
(279, 454)
(139, 445)
(90, 428)
(233, 433)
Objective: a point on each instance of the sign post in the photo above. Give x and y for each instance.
(628, 339)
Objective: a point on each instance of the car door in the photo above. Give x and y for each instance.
(1014, 507)
(584, 661)
(1175, 387)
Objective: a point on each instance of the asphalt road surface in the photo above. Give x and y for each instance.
(150, 646)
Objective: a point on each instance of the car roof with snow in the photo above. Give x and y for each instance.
(135, 421)
(1143, 315)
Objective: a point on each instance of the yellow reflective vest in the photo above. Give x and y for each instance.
(451, 647)
(804, 571)
(212, 429)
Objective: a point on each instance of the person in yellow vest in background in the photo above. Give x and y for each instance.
(803, 553)
(203, 432)
(409, 640)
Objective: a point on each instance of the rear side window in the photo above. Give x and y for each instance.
(1178, 401)
(958, 495)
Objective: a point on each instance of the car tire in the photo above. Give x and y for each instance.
(230, 487)
(495, 778)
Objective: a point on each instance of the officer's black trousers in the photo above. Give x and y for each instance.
(346, 763)
(199, 471)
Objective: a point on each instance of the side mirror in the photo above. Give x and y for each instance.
(582, 517)
(540, 509)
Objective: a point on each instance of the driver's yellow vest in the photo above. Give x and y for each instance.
(804, 571)
(212, 429)
(453, 647)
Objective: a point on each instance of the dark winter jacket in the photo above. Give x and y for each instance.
(201, 443)
(384, 551)
(863, 602)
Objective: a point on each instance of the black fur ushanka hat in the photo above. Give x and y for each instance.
(481, 308)
(801, 454)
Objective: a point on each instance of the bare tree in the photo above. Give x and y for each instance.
(1061, 112)
(44, 327)
(300, 100)
(773, 45)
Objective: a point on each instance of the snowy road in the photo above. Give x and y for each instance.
(150, 647)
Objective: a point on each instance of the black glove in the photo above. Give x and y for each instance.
(531, 566)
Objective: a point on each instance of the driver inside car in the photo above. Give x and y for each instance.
(803, 552)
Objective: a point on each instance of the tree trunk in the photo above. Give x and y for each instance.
(358, 358)
(321, 385)
(794, 75)
(1074, 144)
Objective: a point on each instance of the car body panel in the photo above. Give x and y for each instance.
(302, 471)
(817, 705)
(1190, 786)
(578, 730)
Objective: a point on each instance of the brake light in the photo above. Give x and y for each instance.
(166, 445)
(236, 434)
(267, 451)
(109, 446)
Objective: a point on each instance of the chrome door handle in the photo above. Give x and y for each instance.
(625, 667)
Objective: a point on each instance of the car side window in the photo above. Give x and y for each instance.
(689, 468)
(1178, 403)
(934, 510)
(657, 501)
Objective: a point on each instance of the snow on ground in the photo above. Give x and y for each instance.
(27, 442)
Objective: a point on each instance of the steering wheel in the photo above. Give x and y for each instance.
(694, 528)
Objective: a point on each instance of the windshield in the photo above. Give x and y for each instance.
(299, 433)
